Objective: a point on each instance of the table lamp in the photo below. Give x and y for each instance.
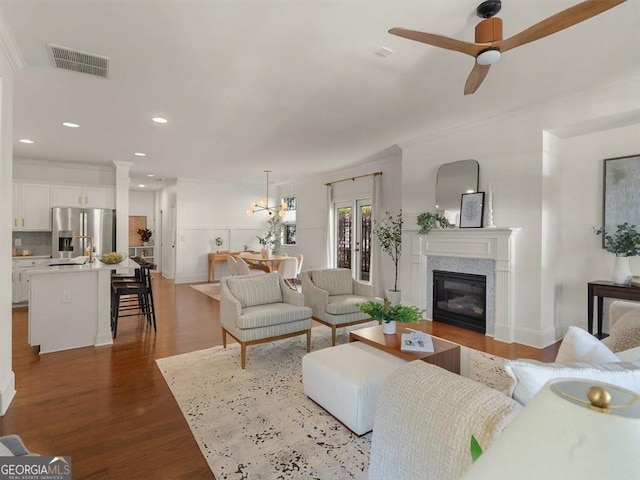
(572, 429)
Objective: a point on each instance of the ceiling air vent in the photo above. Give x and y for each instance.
(78, 61)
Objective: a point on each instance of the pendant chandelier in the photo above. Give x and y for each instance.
(262, 205)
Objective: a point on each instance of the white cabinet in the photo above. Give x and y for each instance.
(20, 279)
(82, 197)
(31, 206)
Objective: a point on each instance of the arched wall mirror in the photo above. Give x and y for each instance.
(453, 180)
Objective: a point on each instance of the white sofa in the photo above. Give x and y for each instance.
(425, 415)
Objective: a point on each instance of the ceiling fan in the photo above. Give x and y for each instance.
(489, 44)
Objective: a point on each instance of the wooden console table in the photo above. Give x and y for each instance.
(602, 289)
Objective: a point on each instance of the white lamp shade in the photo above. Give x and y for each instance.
(488, 57)
(554, 438)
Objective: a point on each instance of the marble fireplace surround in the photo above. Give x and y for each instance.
(495, 244)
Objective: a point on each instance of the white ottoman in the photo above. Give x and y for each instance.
(346, 380)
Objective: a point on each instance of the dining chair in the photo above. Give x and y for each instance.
(232, 264)
(243, 268)
(288, 270)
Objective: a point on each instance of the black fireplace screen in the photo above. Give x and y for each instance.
(460, 299)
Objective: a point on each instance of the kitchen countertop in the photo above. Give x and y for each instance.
(16, 257)
(87, 267)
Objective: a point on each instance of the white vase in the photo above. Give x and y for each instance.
(265, 252)
(389, 328)
(621, 271)
(394, 296)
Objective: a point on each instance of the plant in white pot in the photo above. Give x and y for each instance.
(624, 243)
(389, 314)
(389, 233)
(265, 240)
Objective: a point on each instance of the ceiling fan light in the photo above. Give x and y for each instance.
(488, 57)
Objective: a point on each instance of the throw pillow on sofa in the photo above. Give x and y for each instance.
(531, 375)
(625, 333)
(578, 345)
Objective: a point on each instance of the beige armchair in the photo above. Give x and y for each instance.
(260, 309)
(334, 296)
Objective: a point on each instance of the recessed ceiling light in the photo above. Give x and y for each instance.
(140, 154)
(151, 175)
(383, 51)
(470, 191)
(159, 120)
(140, 185)
(70, 125)
(25, 140)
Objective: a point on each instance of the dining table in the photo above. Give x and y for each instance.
(272, 261)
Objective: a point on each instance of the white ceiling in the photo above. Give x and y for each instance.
(291, 86)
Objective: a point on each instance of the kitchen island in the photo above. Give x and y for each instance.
(70, 305)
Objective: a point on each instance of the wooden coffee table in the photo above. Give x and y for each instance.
(445, 354)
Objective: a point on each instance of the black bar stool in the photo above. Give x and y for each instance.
(132, 295)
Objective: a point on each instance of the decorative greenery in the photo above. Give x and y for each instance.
(389, 232)
(476, 449)
(624, 243)
(265, 240)
(427, 221)
(145, 234)
(385, 312)
(275, 230)
(219, 242)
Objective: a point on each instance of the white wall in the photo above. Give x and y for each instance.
(143, 204)
(206, 210)
(526, 191)
(582, 184)
(311, 212)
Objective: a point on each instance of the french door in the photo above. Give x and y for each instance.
(353, 237)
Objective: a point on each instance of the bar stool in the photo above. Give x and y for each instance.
(133, 295)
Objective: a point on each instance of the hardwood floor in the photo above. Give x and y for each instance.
(110, 408)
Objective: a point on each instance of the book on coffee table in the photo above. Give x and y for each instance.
(410, 344)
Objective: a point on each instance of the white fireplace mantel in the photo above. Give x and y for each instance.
(495, 244)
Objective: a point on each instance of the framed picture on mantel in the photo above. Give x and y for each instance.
(472, 210)
(621, 198)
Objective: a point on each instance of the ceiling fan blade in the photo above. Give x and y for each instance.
(555, 23)
(476, 77)
(472, 49)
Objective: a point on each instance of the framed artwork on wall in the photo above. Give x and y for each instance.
(621, 198)
(472, 210)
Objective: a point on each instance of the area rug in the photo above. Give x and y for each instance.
(257, 423)
(210, 289)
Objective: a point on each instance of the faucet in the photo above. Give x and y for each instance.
(91, 258)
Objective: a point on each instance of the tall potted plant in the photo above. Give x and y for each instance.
(389, 233)
(624, 243)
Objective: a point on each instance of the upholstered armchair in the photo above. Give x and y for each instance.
(334, 296)
(260, 309)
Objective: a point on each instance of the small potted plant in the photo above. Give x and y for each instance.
(265, 241)
(624, 243)
(145, 235)
(389, 314)
(389, 233)
(427, 221)
(219, 243)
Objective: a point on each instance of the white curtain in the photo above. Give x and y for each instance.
(376, 201)
(329, 231)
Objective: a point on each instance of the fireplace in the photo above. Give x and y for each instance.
(460, 299)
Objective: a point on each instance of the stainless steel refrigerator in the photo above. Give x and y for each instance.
(98, 223)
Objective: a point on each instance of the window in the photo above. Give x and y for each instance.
(289, 221)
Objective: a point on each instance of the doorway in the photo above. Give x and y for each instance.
(353, 237)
